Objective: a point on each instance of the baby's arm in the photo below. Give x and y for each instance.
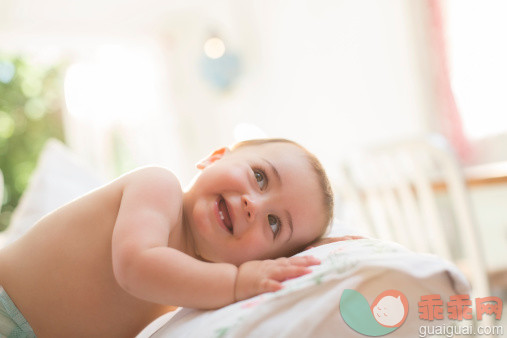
(147, 268)
(144, 265)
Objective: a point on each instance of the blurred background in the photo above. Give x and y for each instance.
(125, 83)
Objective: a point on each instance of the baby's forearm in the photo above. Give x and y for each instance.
(168, 276)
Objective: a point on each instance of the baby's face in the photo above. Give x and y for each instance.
(258, 202)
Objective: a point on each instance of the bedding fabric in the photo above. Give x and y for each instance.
(309, 306)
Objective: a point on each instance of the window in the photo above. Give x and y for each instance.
(476, 33)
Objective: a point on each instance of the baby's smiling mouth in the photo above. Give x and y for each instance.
(223, 212)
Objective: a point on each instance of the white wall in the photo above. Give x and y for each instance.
(333, 75)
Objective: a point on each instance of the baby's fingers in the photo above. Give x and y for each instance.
(270, 285)
(304, 260)
(290, 271)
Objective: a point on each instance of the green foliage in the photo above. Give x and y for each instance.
(31, 97)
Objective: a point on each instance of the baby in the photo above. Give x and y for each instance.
(112, 261)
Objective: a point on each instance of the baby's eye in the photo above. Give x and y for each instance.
(275, 224)
(260, 177)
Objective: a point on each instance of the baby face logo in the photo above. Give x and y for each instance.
(387, 312)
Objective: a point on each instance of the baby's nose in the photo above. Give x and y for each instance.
(248, 206)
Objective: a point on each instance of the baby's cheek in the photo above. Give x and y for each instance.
(256, 248)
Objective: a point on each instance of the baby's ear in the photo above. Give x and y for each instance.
(216, 155)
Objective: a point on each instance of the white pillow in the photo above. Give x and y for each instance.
(60, 176)
(309, 306)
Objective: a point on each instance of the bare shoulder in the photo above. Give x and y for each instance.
(158, 176)
(154, 185)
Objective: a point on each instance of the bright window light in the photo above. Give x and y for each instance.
(118, 84)
(478, 63)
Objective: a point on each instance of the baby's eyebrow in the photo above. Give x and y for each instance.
(273, 169)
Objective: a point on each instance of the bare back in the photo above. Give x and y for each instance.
(60, 273)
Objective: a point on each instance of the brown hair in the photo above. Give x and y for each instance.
(317, 167)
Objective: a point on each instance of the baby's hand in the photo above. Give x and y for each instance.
(256, 277)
